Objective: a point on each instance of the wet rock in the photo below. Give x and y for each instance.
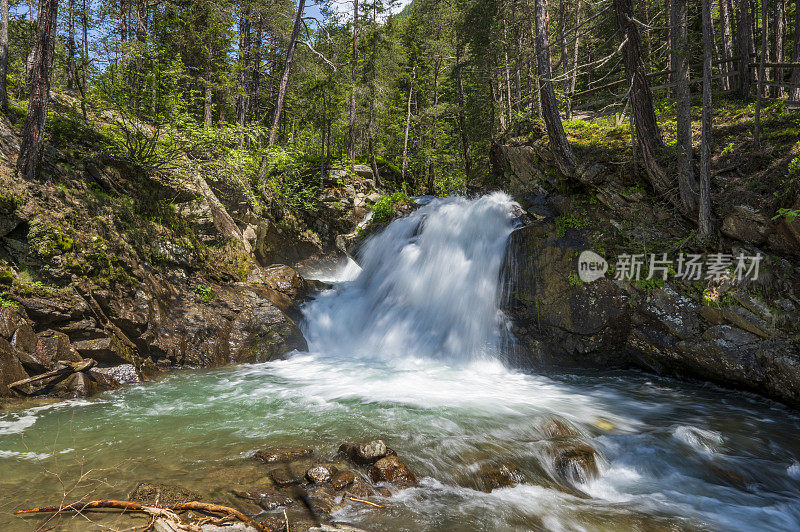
(117, 375)
(557, 428)
(322, 499)
(498, 475)
(342, 479)
(393, 471)
(80, 384)
(162, 494)
(575, 463)
(288, 454)
(284, 476)
(10, 320)
(11, 369)
(320, 474)
(365, 453)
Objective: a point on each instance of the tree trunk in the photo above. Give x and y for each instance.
(574, 66)
(3, 55)
(680, 51)
(351, 148)
(242, 104)
(408, 125)
(704, 218)
(780, 29)
(507, 73)
(207, 110)
(744, 46)
(559, 145)
(287, 66)
(71, 46)
(255, 73)
(795, 93)
(432, 167)
(761, 74)
(727, 47)
(648, 135)
(462, 119)
(35, 121)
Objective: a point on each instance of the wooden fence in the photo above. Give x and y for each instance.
(732, 75)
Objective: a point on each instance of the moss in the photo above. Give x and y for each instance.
(7, 303)
(9, 204)
(47, 240)
(577, 220)
(6, 277)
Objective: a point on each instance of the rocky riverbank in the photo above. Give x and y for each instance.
(741, 333)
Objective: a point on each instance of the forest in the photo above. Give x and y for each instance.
(420, 91)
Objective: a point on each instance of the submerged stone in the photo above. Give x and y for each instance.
(275, 455)
(392, 470)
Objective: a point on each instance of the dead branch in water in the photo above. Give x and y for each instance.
(165, 512)
(376, 505)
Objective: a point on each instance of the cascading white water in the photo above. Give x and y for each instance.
(428, 287)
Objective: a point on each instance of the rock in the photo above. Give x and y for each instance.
(364, 453)
(320, 474)
(289, 454)
(393, 471)
(11, 318)
(285, 280)
(498, 475)
(80, 384)
(106, 350)
(746, 224)
(322, 499)
(52, 346)
(162, 494)
(117, 375)
(342, 479)
(557, 428)
(11, 369)
(362, 170)
(574, 463)
(284, 476)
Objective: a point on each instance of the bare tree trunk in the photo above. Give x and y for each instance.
(242, 104)
(795, 93)
(744, 45)
(761, 74)
(351, 148)
(668, 38)
(648, 135)
(432, 167)
(780, 29)
(559, 145)
(207, 110)
(35, 121)
(255, 72)
(462, 119)
(704, 208)
(3, 55)
(727, 47)
(408, 125)
(574, 66)
(680, 50)
(287, 66)
(71, 45)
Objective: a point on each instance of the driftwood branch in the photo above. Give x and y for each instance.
(64, 368)
(166, 512)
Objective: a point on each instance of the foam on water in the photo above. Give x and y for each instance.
(405, 349)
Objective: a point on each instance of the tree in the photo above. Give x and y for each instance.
(687, 186)
(727, 46)
(648, 136)
(795, 94)
(761, 74)
(704, 208)
(36, 118)
(4, 55)
(287, 66)
(555, 130)
(351, 147)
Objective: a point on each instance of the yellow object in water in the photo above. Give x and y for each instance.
(603, 424)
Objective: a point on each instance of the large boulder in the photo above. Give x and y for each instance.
(11, 369)
(747, 224)
(392, 470)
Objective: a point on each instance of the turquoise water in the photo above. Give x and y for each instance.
(407, 351)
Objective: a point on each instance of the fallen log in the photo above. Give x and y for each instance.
(63, 369)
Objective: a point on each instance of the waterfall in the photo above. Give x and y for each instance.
(429, 286)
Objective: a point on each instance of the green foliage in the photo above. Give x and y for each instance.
(47, 240)
(789, 214)
(383, 210)
(577, 220)
(6, 276)
(288, 180)
(205, 292)
(7, 303)
(794, 168)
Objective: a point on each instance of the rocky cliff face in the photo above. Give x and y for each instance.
(742, 335)
(109, 275)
